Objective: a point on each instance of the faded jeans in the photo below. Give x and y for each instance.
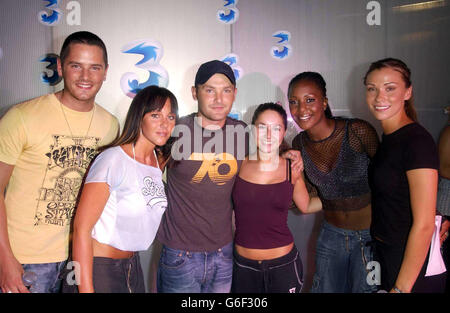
(182, 271)
(49, 279)
(341, 259)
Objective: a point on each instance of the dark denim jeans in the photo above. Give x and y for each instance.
(341, 259)
(182, 271)
(118, 275)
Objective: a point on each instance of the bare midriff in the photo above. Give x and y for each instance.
(263, 254)
(106, 251)
(353, 220)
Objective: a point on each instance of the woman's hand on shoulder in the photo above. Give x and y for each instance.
(296, 160)
(297, 174)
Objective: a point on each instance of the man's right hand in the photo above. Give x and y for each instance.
(10, 269)
(11, 272)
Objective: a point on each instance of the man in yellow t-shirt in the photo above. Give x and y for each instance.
(46, 145)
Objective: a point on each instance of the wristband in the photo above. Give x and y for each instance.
(397, 290)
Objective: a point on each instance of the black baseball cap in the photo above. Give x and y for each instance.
(208, 69)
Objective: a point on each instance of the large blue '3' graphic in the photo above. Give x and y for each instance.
(55, 13)
(232, 60)
(283, 49)
(232, 15)
(152, 52)
(52, 79)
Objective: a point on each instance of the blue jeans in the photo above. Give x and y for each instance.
(49, 279)
(341, 259)
(182, 271)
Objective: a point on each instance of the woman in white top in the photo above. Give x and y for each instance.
(123, 198)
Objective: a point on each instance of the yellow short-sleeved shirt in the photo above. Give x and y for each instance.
(49, 165)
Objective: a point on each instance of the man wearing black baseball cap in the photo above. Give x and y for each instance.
(196, 230)
(210, 68)
(215, 91)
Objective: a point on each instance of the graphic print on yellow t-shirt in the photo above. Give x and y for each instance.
(220, 167)
(68, 159)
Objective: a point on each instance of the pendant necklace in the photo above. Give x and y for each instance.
(77, 140)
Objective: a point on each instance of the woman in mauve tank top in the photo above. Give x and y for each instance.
(266, 259)
(336, 154)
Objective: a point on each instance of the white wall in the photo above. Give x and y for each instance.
(22, 42)
(189, 38)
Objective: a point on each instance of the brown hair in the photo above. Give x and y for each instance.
(151, 98)
(403, 69)
(82, 37)
(276, 107)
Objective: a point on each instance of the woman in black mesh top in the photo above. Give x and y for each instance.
(336, 153)
(404, 182)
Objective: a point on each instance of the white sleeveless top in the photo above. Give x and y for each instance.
(136, 203)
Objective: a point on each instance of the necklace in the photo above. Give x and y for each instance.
(77, 140)
(68, 125)
(154, 153)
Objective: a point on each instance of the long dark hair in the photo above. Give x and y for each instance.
(151, 98)
(315, 78)
(402, 68)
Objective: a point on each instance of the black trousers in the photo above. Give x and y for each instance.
(446, 256)
(118, 275)
(280, 275)
(390, 258)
